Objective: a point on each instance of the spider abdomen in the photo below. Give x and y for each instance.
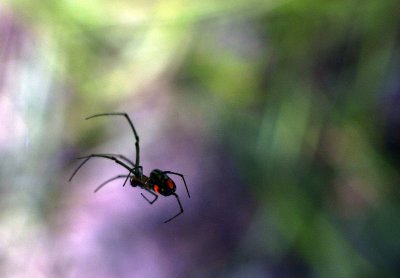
(161, 183)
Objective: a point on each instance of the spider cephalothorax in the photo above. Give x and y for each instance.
(158, 181)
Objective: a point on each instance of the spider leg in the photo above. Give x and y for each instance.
(152, 193)
(132, 127)
(110, 180)
(127, 177)
(183, 178)
(98, 155)
(122, 157)
(180, 206)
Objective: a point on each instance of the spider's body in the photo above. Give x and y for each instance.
(158, 181)
(161, 183)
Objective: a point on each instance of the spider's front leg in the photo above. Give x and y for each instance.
(98, 155)
(110, 180)
(132, 127)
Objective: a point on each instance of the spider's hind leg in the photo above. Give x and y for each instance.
(152, 193)
(183, 178)
(180, 206)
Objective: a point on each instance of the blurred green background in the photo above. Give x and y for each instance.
(284, 117)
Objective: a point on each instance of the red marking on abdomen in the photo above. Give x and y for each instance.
(170, 183)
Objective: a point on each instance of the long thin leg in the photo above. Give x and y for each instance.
(133, 129)
(110, 180)
(180, 206)
(127, 178)
(154, 194)
(183, 178)
(122, 157)
(98, 155)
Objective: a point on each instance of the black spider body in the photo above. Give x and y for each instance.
(157, 183)
(161, 183)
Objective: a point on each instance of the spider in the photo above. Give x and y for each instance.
(158, 182)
